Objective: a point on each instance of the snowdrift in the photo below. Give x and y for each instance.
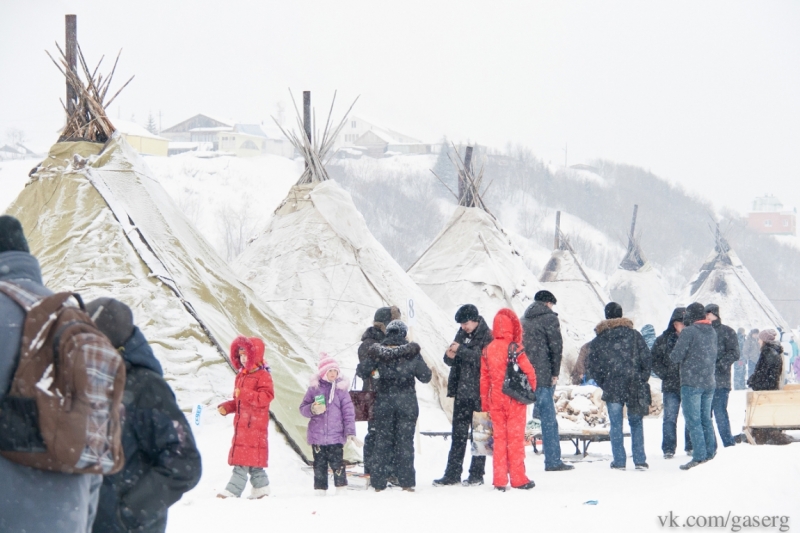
(473, 260)
(318, 266)
(101, 226)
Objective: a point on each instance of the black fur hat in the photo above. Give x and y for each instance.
(545, 296)
(12, 238)
(613, 310)
(466, 313)
(694, 312)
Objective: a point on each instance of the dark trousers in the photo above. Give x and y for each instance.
(462, 422)
(394, 419)
(325, 456)
(369, 451)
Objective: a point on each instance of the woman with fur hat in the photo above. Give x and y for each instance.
(767, 376)
(395, 365)
(252, 395)
(333, 422)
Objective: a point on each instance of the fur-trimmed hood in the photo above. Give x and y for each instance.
(612, 323)
(506, 326)
(386, 353)
(374, 333)
(253, 347)
(342, 383)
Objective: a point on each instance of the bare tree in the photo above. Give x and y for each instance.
(15, 136)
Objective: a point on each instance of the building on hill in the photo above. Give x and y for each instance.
(375, 141)
(141, 139)
(15, 151)
(769, 216)
(203, 133)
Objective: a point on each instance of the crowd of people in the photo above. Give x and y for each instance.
(693, 357)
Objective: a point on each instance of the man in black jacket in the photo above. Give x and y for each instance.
(727, 354)
(669, 373)
(464, 359)
(161, 458)
(395, 364)
(374, 335)
(543, 346)
(619, 361)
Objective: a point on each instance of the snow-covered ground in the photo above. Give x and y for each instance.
(13, 177)
(745, 480)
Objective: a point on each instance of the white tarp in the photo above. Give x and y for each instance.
(642, 295)
(320, 268)
(472, 260)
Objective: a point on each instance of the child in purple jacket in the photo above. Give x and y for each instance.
(333, 422)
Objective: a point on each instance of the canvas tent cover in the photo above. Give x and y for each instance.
(473, 261)
(101, 226)
(319, 267)
(642, 295)
(725, 281)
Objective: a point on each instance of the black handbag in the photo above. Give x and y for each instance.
(516, 384)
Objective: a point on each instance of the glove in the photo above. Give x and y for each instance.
(355, 440)
(318, 408)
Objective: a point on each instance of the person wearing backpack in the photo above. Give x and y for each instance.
(161, 458)
(32, 500)
(506, 413)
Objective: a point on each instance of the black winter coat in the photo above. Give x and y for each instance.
(664, 368)
(619, 361)
(371, 336)
(541, 338)
(398, 364)
(727, 354)
(161, 457)
(767, 374)
(696, 353)
(465, 367)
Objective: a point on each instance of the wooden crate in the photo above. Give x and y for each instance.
(779, 409)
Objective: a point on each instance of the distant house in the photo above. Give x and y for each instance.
(203, 133)
(16, 151)
(377, 141)
(141, 139)
(769, 216)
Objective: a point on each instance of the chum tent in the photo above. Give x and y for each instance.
(724, 280)
(472, 260)
(639, 288)
(320, 268)
(581, 301)
(100, 225)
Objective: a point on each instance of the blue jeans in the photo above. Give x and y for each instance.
(719, 406)
(669, 431)
(740, 375)
(546, 410)
(618, 441)
(697, 415)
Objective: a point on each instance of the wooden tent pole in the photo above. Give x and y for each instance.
(71, 28)
(557, 242)
(633, 222)
(464, 189)
(307, 118)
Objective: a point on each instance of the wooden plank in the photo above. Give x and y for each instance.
(773, 409)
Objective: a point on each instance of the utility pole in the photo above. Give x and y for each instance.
(557, 242)
(71, 30)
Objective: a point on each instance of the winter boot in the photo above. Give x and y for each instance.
(558, 468)
(258, 493)
(444, 482)
(527, 486)
(669, 455)
(690, 464)
(226, 494)
(501, 489)
(642, 466)
(471, 482)
(408, 489)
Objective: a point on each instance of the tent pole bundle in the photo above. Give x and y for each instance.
(634, 259)
(315, 149)
(469, 182)
(86, 100)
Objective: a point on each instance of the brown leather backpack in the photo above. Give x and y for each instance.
(62, 411)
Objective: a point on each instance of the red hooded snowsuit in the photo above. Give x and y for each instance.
(508, 415)
(249, 446)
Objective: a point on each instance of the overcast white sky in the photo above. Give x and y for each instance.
(706, 94)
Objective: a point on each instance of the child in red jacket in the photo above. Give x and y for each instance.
(251, 398)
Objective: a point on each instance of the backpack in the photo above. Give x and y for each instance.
(515, 383)
(62, 410)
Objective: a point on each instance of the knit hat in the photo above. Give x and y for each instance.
(113, 318)
(768, 335)
(398, 328)
(12, 238)
(466, 313)
(713, 309)
(326, 362)
(545, 296)
(694, 312)
(383, 315)
(613, 310)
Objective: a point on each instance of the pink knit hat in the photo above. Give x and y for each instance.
(326, 362)
(768, 335)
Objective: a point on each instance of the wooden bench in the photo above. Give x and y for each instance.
(579, 440)
(775, 409)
